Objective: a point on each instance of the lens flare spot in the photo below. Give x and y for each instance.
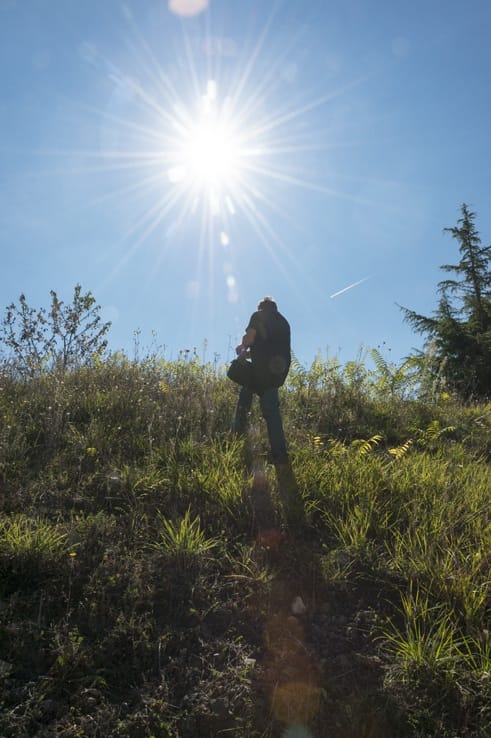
(211, 90)
(295, 702)
(230, 205)
(232, 290)
(187, 8)
(284, 634)
(214, 202)
(224, 239)
(176, 174)
(297, 731)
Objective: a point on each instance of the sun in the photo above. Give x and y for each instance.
(213, 148)
(212, 153)
(209, 155)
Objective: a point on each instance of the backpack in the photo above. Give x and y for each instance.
(240, 371)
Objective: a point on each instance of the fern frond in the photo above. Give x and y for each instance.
(380, 363)
(296, 365)
(363, 447)
(400, 451)
(432, 433)
(335, 447)
(433, 430)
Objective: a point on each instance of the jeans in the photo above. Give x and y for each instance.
(270, 409)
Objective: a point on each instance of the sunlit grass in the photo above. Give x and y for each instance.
(247, 565)
(184, 541)
(219, 476)
(427, 640)
(169, 590)
(31, 550)
(24, 537)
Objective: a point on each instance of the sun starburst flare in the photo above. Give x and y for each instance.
(210, 152)
(217, 145)
(220, 153)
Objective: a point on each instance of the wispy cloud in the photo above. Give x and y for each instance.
(349, 287)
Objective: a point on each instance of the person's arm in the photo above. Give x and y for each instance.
(249, 337)
(247, 340)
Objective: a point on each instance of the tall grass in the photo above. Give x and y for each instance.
(185, 542)
(135, 598)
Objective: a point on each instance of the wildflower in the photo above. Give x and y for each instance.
(163, 387)
(91, 451)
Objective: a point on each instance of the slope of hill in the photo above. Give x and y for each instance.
(155, 581)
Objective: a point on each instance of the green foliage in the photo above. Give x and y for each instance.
(136, 598)
(363, 447)
(22, 536)
(248, 566)
(64, 337)
(458, 336)
(400, 451)
(184, 541)
(431, 435)
(427, 641)
(30, 550)
(397, 381)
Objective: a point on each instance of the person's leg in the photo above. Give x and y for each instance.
(270, 408)
(244, 404)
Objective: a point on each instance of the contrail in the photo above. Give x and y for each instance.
(349, 287)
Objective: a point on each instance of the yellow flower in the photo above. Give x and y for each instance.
(91, 451)
(163, 387)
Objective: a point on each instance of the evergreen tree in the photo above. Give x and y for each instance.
(459, 333)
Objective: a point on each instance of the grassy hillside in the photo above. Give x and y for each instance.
(140, 598)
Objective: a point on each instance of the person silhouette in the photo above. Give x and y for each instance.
(267, 343)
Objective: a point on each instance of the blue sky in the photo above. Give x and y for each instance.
(353, 131)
